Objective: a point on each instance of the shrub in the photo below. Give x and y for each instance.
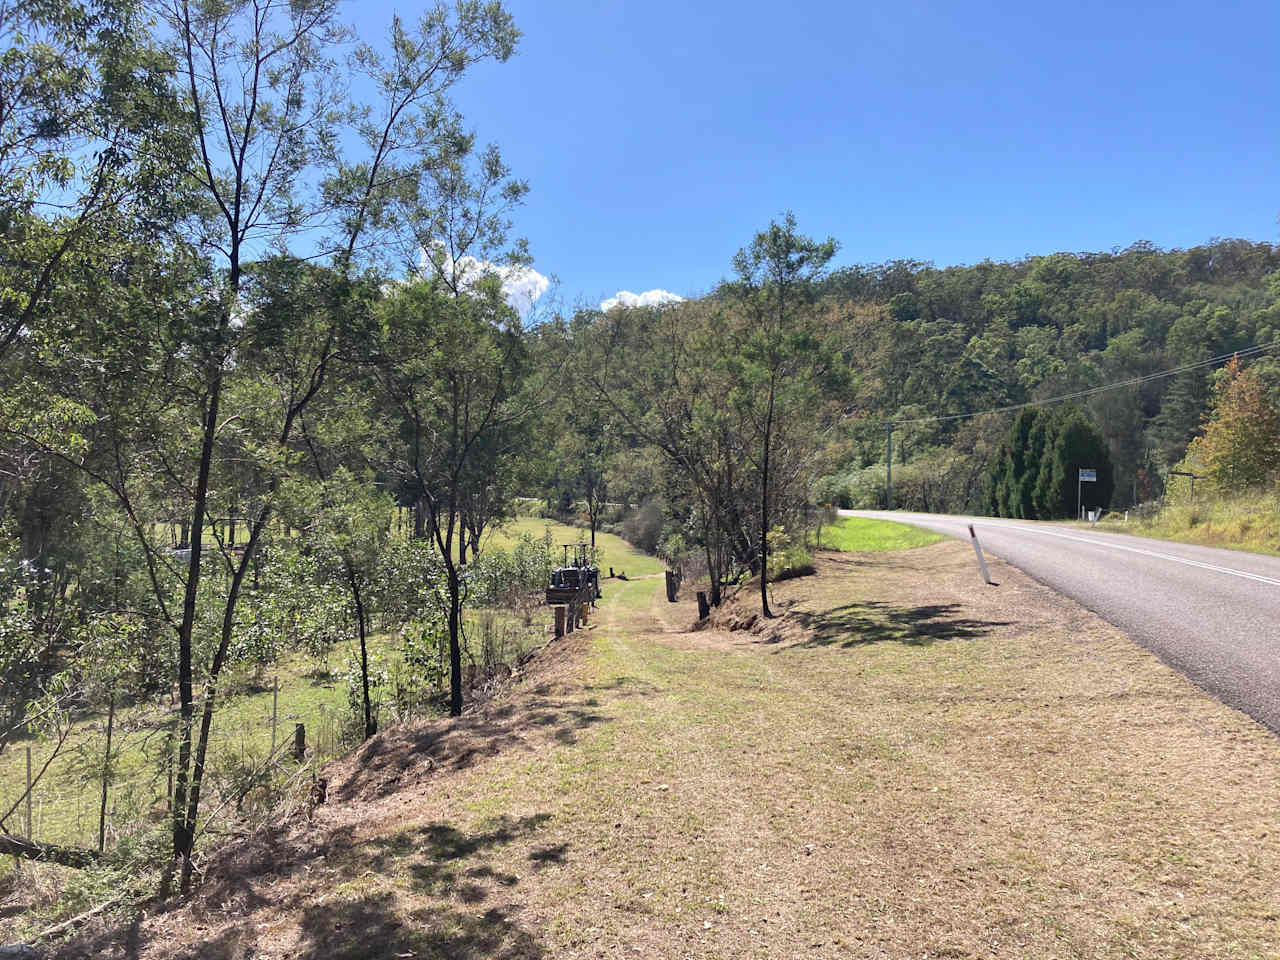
(643, 527)
(787, 559)
(504, 577)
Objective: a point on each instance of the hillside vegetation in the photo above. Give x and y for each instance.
(937, 342)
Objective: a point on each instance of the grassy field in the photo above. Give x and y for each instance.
(614, 551)
(65, 803)
(907, 763)
(1239, 523)
(859, 535)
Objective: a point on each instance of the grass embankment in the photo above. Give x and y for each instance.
(908, 763)
(65, 804)
(858, 535)
(1249, 522)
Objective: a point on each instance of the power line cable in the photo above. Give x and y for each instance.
(1092, 391)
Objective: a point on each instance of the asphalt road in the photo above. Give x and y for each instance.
(1213, 614)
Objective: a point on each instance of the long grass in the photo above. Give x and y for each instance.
(1245, 522)
(65, 803)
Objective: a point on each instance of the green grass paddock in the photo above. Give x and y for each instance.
(859, 535)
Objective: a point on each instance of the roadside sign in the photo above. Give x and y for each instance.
(1087, 476)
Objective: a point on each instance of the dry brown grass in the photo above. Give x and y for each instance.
(907, 764)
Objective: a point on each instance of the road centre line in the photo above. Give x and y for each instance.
(1146, 553)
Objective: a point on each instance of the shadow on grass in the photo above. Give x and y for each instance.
(856, 624)
(409, 752)
(440, 853)
(369, 928)
(446, 864)
(450, 878)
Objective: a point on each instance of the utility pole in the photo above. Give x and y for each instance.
(888, 467)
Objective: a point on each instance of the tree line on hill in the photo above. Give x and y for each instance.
(936, 343)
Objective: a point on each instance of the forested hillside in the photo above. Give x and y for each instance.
(929, 343)
(968, 366)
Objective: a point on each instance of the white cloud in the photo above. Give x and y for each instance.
(650, 298)
(521, 286)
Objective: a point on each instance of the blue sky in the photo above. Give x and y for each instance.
(658, 137)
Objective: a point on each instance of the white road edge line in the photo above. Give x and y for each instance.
(1146, 553)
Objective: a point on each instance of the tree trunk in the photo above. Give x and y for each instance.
(211, 693)
(184, 838)
(370, 728)
(106, 774)
(49, 852)
(764, 509)
(455, 646)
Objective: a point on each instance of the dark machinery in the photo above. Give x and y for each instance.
(576, 581)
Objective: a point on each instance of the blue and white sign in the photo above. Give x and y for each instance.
(1088, 475)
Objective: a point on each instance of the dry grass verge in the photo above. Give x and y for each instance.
(907, 764)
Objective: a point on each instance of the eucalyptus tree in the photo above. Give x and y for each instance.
(782, 359)
(456, 371)
(284, 158)
(87, 118)
(196, 421)
(660, 373)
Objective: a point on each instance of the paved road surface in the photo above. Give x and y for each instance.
(1213, 614)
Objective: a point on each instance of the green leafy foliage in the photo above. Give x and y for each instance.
(1037, 474)
(1240, 448)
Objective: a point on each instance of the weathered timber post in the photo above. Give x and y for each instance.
(559, 621)
(570, 618)
(29, 836)
(672, 587)
(106, 777)
(704, 609)
(275, 704)
(299, 742)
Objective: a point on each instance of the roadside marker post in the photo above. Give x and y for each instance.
(982, 563)
(1086, 475)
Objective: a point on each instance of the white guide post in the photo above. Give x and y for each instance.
(977, 548)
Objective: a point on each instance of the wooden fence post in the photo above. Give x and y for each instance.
(275, 701)
(299, 742)
(29, 836)
(704, 609)
(106, 777)
(559, 621)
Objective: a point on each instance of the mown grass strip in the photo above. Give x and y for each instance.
(860, 535)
